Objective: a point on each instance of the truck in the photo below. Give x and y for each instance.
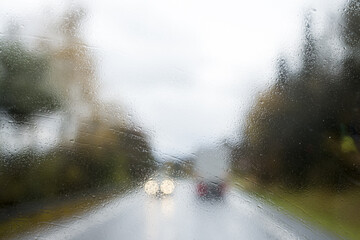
(211, 171)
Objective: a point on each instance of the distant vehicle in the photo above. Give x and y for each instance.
(211, 168)
(160, 185)
(159, 188)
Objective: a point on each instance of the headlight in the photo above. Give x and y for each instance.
(151, 187)
(167, 186)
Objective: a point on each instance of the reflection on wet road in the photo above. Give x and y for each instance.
(184, 216)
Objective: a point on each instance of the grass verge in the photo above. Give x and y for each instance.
(336, 212)
(52, 212)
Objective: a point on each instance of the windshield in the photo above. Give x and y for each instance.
(183, 119)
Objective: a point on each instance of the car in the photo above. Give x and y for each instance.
(159, 187)
(210, 189)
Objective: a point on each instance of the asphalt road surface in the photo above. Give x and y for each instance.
(182, 216)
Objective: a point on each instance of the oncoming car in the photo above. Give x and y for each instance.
(159, 188)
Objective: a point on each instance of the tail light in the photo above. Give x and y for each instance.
(222, 188)
(202, 189)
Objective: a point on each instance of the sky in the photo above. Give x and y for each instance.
(186, 71)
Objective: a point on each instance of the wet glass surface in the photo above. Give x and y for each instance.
(179, 119)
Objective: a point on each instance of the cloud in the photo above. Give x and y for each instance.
(186, 70)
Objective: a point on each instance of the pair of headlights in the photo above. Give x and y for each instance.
(167, 186)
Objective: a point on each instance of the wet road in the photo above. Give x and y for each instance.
(183, 216)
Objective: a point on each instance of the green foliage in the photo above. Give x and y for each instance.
(23, 89)
(103, 153)
(119, 159)
(293, 134)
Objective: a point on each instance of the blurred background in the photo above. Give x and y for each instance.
(100, 101)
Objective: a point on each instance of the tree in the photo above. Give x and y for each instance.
(23, 87)
(293, 135)
(96, 146)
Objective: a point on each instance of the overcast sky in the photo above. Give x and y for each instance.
(188, 70)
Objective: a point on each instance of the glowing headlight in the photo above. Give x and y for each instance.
(151, 187)
(167, 186)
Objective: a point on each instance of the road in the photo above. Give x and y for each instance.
(182, 216)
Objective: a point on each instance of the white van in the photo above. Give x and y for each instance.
(211, 168)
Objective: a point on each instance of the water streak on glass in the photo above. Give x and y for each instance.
(179, 119)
